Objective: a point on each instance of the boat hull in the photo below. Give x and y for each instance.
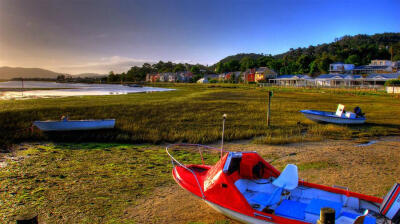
(236, 215)
(230, 187)
(74, 125)
(328, 117)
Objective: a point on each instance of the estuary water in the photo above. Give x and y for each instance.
(53, 89)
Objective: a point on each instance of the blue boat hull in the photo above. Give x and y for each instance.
(74, 125)
(330, 117)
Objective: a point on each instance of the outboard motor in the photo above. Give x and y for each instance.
(390, 206)
(358, 112)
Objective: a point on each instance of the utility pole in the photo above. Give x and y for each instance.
(391, 53)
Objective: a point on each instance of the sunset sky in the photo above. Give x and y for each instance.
(74, 36)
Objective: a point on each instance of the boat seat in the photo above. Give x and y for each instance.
(350, 218)
(291, 209)
(287, 180)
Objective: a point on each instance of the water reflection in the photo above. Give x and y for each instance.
(69, 89)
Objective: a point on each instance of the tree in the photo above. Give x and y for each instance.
(265, 61)
(195, 70)
(246, 63)
(219, 68)
(232, 65)
(353, 59)
(60, 77)
(112, 77)
(232, 78)
(179, 68)
(323, 62)
(314, 68)
(303, 63)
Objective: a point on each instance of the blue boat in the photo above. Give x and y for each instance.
(340, 117)
(74, 125)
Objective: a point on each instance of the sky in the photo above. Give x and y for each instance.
(81, 36)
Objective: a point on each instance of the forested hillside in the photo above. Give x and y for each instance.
(314, 60)
(358, 50)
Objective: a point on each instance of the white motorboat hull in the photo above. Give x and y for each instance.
(236, 215)
(335, 120)
(74, 125)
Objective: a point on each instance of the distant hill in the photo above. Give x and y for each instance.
(10, 72)
(359, 50)
(240, 56)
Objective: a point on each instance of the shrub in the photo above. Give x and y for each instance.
(392, 82)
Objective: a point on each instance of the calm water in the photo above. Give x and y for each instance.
(73, 89)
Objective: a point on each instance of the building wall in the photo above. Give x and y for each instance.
(381, 62)
(393, 89)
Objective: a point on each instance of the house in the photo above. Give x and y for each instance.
(188, 76)
(172, 77)
(237, 75)
(396, 66)
(293, 80)
(203, 80)
(228, 76)
(335, 80)
(340, 68)
(369, 69)
(221, 76)
(379, 79)
(211, 76)
(376, 66)
(152, 77)
(249, 75)
(164, 77)
(381, 63)
(264, 73)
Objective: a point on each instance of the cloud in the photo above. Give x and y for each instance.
(105, 64)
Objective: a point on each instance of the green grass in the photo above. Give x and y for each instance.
(193, 114)
(85, 183)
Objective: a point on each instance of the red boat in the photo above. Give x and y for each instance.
(244, 187)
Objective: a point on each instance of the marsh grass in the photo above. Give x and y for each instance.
(85, 183)
(193, 113)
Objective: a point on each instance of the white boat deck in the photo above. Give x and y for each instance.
(303, 203)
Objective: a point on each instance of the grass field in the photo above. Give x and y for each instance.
(104, 182)
(123, 183)
(193, 114)
(83, 183)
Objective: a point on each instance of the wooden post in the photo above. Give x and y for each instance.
(22, 83)
(223, 131)
(327, 216)
(269, 107)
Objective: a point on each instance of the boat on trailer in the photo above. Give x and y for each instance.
(340, 117)
(244, 187)
(74, 125)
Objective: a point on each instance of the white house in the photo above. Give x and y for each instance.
(292, 80)
(381, 63)
(203, 80)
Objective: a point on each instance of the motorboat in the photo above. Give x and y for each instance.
(244, 187)
(340, 117)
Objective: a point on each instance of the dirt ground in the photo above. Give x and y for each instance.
(370, 169)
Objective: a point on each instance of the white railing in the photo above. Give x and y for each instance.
(197, 147)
